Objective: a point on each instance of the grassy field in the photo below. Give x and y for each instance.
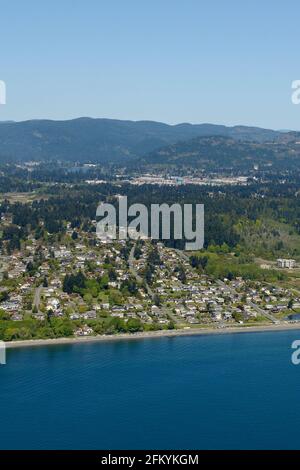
(23, 198)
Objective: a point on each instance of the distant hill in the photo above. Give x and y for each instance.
(106, 140)
(218, 152)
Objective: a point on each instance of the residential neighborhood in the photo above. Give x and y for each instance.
(83, 286)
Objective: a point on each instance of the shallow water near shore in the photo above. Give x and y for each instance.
(233, 391)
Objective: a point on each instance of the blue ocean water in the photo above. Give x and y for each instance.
(232, 391)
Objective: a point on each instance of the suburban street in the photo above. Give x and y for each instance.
(37, 297)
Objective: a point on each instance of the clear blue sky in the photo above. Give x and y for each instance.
(218, 61)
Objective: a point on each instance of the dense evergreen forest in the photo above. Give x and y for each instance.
(262, 218)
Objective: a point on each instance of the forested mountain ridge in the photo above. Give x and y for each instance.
(106, 140)
(219, 152)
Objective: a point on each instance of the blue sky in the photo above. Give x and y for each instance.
(173, 61)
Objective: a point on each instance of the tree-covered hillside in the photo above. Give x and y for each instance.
(104, 140)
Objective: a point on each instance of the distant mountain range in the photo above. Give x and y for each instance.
(218, 152)
(109, 140)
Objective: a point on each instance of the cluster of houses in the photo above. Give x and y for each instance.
(286, 263)
(181, 294)
(193, 300)
(200, 299)
(270, 298)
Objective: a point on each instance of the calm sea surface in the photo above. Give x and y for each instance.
(207, 392)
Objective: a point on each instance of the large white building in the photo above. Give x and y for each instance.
(286, 263)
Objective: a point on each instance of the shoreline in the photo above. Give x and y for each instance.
(151, 335)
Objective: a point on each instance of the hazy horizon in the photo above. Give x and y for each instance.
(146, 120)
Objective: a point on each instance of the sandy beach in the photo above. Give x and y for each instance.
(152, 335)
